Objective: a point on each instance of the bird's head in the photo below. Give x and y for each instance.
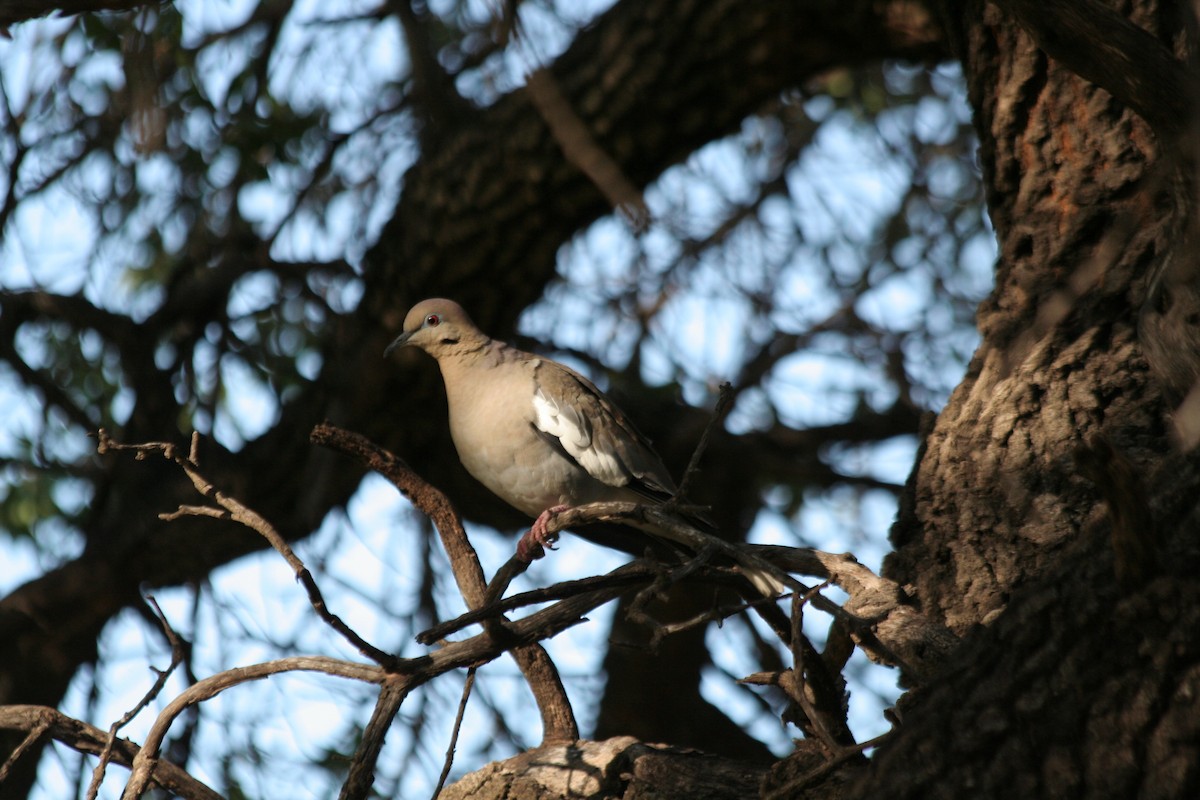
(437, 326)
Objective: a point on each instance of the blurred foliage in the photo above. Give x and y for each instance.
(205, 178)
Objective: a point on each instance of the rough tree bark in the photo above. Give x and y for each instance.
(1081, 220)
(1070, 682)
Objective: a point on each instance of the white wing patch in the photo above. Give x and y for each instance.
(574, 432)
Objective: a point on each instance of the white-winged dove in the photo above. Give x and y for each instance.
(535, 432)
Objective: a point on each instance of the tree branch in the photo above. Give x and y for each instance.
(581, 149)
(362, 767)
(145, 764)
(230, 508)
(458, 718)
(154, 691)
(558, 720)
(89, 739)
(877, 613)
(410, 672)
(1097, 43)
(13, 11)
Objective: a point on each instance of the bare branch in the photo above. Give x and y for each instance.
(581, 148)
(877, 614)
(409, 673)
(517, 635)
(558, 720)
(145, 764)
(813, 688)
(724, 401)
(42, 721)
(458, 718)
(625, 576)
(362, 767)
(661, 519)
(431, 502)
(155, 690)
(37, 729)
(234, 510)
(13, 11)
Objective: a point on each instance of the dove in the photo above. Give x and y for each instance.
(535, 432)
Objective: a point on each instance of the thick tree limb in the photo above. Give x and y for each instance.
(632, 99)
(1099, 44)
(620, 767)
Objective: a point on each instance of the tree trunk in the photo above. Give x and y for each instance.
(1077, 676)
(1080, 221)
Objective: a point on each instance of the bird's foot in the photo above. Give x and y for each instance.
(532, 544)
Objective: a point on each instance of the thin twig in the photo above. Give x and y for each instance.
(878, 605)
(724, 400)
(232, 509)
(155, 690)
(797, 687)
(34, 736)
(718, 613)
(658, 518)
(458, 719)
(630, 574)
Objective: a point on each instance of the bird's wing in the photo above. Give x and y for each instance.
(572, 414)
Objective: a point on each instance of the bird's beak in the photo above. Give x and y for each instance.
(398, 342)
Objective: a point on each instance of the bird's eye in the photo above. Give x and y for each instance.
(432, 320)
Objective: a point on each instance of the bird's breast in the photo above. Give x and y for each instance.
(490, 423)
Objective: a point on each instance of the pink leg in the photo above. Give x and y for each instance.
(531, 544)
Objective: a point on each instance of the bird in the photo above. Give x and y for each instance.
(535, 432)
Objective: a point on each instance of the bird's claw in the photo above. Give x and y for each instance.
(533, 545)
